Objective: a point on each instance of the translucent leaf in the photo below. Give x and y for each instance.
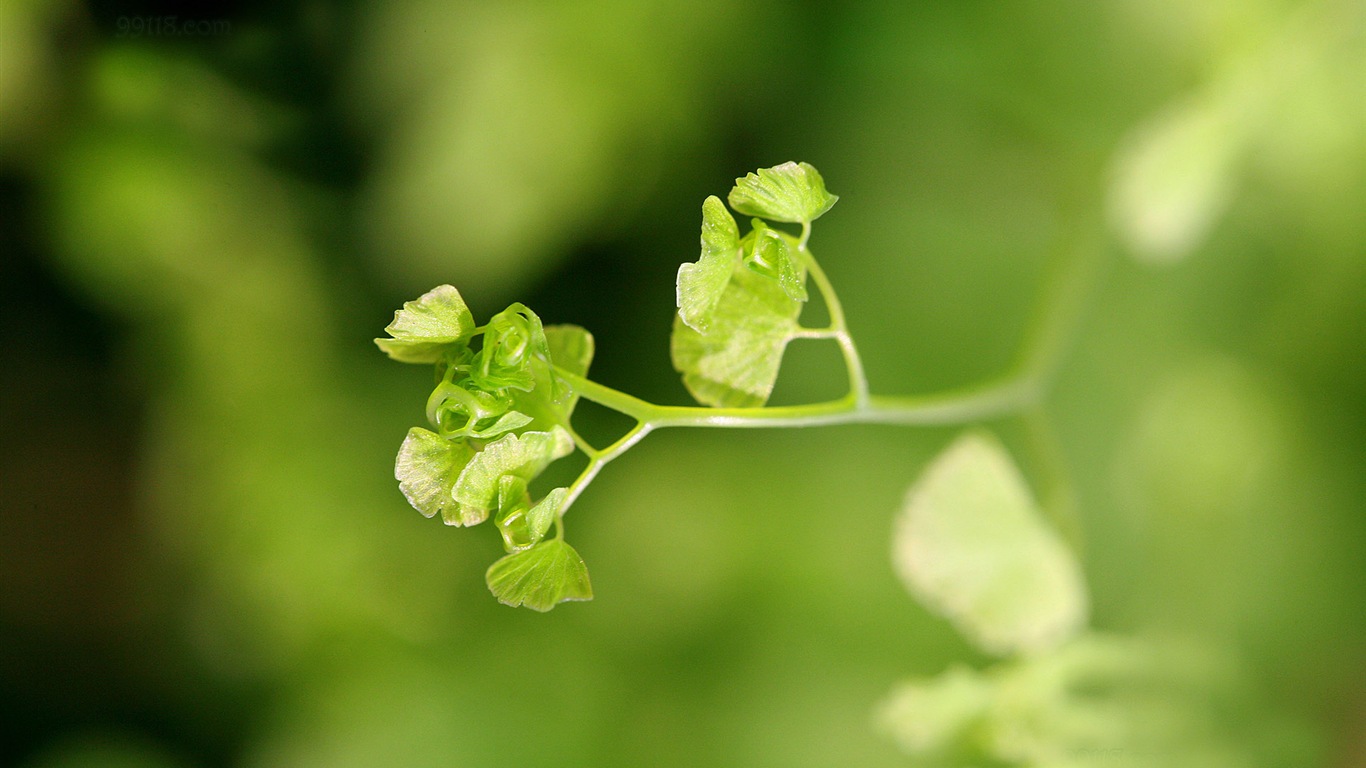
(770, 255)
(1173, 179)
(502, 425)
(425, 328)
(736, 362)
(512, 508)
(929, 716)
(540, 517)
(541, 577)
(571, 348)
(972, 545)
(427, 468)
(1094, 702)
(457, 411)
(521, 524)
(525, 456)
(511, 492)
(701, 283)
(792, 192)
(513, 343)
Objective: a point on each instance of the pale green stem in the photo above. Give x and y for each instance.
(579, 442)
(815, 333)
(952, 407)
(1019, 388)
(853, 364)
(597, 459)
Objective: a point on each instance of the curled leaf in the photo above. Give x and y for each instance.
(791, 192)
(735, 363)
(521, 524)
(769, 255)
(428, 327)
(701, 283)
(540, 517)
(456, 411)
(513, 341)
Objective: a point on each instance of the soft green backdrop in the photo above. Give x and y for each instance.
(205, 560)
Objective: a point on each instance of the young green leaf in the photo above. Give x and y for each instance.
(571, 348)
(971, 543)
(791, 192)
(701, 283)
(508, 422)
(551, 401)
(513, 503)
(540, 517)
(736, 362)
(541, 577)
(525, 456)
(426, 328)
(426, 470)
(457, 411)
(521, 524)
(769, 255)
(513, 343)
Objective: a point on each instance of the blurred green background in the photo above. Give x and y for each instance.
(206, 214)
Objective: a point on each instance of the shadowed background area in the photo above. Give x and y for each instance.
(206, 215)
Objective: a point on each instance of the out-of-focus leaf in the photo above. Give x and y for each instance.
(1094, 702)
(736, 362)
(701, 283)
(791, 192)
(927, 716)
(427, 468)
(1173, 178)
(971, 543)
(426, 327)
(541, 577)
(525, 455)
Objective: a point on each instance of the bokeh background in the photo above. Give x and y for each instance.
(207, 212)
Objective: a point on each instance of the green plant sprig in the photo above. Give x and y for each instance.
(502, 413)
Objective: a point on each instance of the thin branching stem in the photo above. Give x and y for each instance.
(1020, 388)
(853, 364)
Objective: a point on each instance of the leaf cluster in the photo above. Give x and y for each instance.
(505, 392)
(970, 544)
(499, 415)
(738, 304)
